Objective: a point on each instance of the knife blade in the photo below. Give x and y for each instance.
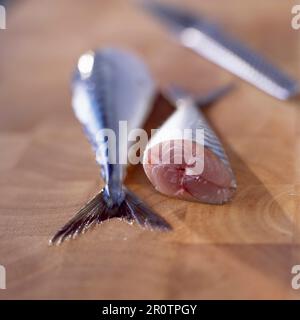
(209, 41)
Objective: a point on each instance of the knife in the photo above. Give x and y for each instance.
(209, 41)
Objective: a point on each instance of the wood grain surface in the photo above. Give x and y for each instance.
(244, 249)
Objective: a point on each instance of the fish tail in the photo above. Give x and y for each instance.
(174, 94)
(97, 210)
(139, 212)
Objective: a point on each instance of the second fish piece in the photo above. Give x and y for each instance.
(214, 183)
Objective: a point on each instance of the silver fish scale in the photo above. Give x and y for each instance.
(99, 85)
(238, 59)
(96, 107)
(212, 142)
(184, 101)
(100, 82)
(212, 43)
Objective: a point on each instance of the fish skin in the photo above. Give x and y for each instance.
(119, 88)
(208, 40)
(110, 85)
(216, 184)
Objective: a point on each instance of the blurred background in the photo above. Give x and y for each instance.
(47, 171)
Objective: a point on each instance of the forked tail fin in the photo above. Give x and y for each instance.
(96, 211)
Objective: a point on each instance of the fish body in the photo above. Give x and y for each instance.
(111, 86)
(213, 182)
(210, 41)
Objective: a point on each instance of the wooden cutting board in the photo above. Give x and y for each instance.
(244, 249)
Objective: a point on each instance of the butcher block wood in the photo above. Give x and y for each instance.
(244, 249)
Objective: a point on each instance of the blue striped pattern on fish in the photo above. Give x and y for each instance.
(110, 86)
(212, 142)
(182, 99)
